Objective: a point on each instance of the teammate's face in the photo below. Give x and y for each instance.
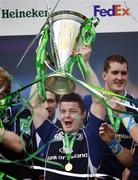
(50, 104)
(116, 77)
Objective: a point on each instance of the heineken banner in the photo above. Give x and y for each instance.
(26, 17)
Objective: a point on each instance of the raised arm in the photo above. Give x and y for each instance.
(34, 97)
(39, 113)
(86, 53)
(96, 108)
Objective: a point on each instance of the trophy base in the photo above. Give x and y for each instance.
(60, 84)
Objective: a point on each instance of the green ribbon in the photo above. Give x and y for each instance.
(114, 120)
(87, 35)
(40, 66)
(4, 175)
(69, 140)
(88, 32)
(6, 101)
(81, 65)
(104, 100)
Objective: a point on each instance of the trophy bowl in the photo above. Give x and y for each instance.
(60, 84)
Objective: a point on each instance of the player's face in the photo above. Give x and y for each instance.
(50, 104)
(71, 116)
(116, 77)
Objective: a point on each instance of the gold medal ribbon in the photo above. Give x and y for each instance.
(69, 140)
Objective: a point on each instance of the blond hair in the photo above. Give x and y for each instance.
(5, 82)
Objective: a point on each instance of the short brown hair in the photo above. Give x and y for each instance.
(114, 58)
(74, 97)
(5, 81)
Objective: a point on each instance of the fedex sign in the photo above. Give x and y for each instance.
(116, 10)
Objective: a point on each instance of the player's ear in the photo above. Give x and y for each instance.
(104, 75)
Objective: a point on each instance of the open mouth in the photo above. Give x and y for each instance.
(48, 109)
(68, 123)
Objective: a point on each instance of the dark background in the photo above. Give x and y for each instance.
(12, 49)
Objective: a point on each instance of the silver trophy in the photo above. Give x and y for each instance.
(67, 31)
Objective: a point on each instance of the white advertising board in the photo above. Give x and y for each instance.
(26, 17)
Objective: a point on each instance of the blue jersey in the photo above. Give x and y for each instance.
(87, 150)
(17, 119)
(110, 165)
(134, 167)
